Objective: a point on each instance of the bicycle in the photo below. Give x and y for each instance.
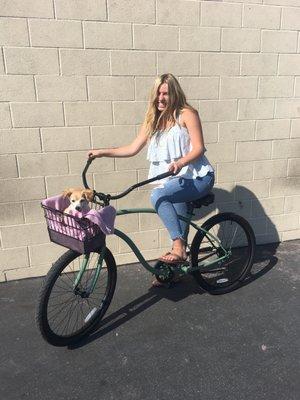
(78, 289)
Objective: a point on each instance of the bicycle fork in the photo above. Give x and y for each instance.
(91, 286)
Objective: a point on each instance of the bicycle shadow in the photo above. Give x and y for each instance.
(175, 293)
(244, 202)
(239, 200)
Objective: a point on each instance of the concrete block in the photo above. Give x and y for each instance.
(10, 88)
(112, 136)
(259, 64)
(234, 39)
(65, 138)
(218, 110)
(54, 33)
(279, 42)
(37, 114)
(13, 32)
(295, 129)
(42, 164)
(182, 63)
(289, 64)
(143, 85)
(88, 113)
(291, 235)
(31, 272)
(219, 64)
(199, 39)
(81, 9)
(45, 253)
(8, 166)
(228, 172)
(5, 119)
(128, 11)
(238, 87)
(33, 211)
(236, 131)
(30, 61)
(287, 108)
(271, 206)
(127, 223)
(178, 12)
(129, 113)
(104, 35)
(139, 197)
(290, 18)
(287, 222)
(255, 109)
(258, 150)
(143, 240)
(23, 235)
(11, 214)
(261, 16)
(77, 161)
(221, 152)
(286, 148)
(61, 88)
(218, 14)
(272, 129)
(110, 88)
(84, 62)
(285, 186)
(251, 189)
(133, 63)
(270, 169)
(294, 166)
(117, 181)
(28, 8)
(19, 141)
(292, 204)
(281, 86)
(13, 258)
(153, 37)
(201, 88)
(210, 132)
(22, 189)
(150, 221)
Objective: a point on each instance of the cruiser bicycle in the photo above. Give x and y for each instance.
(80, 285)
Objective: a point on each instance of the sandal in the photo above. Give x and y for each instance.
(177, 260)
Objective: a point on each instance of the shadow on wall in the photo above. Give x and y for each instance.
(243, 202)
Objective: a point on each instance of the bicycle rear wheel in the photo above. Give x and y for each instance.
(66, 311)
(234, 234)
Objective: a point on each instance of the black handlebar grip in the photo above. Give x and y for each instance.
(88, 163)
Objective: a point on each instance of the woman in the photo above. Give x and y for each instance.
(173, 129)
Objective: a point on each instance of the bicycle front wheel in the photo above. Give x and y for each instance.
(67, 308)
(233, 235)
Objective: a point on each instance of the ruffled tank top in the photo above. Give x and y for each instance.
(168, 146)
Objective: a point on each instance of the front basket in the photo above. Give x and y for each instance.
(80, 235)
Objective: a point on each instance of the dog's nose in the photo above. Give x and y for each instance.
(78, 208)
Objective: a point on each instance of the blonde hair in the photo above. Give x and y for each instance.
(177, 101)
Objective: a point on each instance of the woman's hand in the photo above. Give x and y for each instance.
(96, 153)
(176, 166)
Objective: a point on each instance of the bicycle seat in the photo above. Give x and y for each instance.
(204, 201)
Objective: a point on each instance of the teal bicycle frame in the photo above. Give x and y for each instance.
(183, 268)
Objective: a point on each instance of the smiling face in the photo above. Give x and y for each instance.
(79, 199)
(162, 97)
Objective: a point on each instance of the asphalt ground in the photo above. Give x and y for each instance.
(160, 344)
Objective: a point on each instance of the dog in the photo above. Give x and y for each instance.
(79, 201)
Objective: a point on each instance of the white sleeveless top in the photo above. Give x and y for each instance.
(168, 146)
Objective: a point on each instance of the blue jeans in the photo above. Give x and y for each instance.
(173, 199)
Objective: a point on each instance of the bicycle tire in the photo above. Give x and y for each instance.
(223, 278)
(60, 278)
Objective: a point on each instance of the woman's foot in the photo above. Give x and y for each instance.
(174, 257)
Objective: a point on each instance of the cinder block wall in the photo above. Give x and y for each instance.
(76, 74)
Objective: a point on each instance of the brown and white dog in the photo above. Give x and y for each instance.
(79, 200)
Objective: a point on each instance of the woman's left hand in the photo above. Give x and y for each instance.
(175, 167)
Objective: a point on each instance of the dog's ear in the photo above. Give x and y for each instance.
(88, 194)
(68, 192)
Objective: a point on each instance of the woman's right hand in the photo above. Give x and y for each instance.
(96, 153)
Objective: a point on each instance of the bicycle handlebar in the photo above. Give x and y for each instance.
(107, 197)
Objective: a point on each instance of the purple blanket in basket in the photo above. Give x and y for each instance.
(104, 218)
